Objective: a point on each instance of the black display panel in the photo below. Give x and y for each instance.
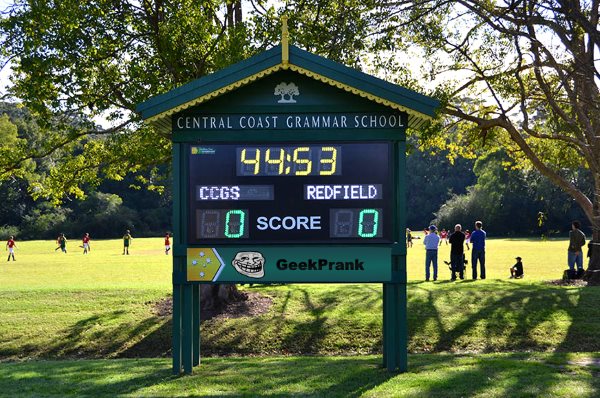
(290, 193)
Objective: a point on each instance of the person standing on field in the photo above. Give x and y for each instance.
(478, 253)
(86, 243)
(457, 252)
(443, 236)
(11, 246)
(167, 243)
(431, 242)
(61, 241)
(126, 242)
(576, 243)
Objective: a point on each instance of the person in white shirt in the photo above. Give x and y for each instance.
(431, 242)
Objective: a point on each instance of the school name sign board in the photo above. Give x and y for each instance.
(307, 121)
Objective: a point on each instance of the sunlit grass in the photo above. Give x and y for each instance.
(542, 259)
(40, 266)
(101, 305)
(498, 375)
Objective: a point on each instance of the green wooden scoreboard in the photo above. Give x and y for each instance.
(288, 168)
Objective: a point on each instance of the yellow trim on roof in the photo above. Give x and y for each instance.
(273, 69)
(356, 91)
(216, 93)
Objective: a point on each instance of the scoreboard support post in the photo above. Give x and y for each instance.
(395, 330)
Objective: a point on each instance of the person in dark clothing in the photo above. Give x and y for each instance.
(516, 271)
(478, 253)
(576, 242)
(457, 252)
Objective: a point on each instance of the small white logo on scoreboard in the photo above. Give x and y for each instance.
(287, 91)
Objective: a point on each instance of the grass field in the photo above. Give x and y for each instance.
(59, 307)
(440, 375)
(39, 266)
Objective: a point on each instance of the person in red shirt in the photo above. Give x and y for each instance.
(86, 243)
(443, 236)
(167, 243)
(10, 246)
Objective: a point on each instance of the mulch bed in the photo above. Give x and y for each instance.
(568, 282)
(252, 304)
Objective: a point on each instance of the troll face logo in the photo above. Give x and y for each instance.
(249, 264)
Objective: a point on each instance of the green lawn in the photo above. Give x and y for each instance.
(441, 375)
(59, 306)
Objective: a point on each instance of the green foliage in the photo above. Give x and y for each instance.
(431, 180)
(520, 77)
(74, 62)
(7, 231)
(509, 201)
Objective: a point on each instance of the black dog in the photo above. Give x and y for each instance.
(450, 265)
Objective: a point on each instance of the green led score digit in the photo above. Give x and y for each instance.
(361, 228)
(227, 225)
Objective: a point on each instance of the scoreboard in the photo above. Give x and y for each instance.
(292, 193)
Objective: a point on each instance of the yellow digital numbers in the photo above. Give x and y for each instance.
(302, 161)
(255, 161)
(278, 161)
(331, 161)
(288, 161)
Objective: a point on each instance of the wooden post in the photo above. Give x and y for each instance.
(196, 325)
(188, 329)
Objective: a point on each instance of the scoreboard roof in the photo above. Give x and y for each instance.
(159, 109)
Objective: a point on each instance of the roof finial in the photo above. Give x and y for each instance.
(285, 55)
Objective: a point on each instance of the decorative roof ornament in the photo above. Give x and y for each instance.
(285, 37)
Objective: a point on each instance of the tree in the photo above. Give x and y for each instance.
(76, 61)
(517, 74)
(431, 180)
(512, 201)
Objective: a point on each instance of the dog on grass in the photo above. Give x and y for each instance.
(449, 264)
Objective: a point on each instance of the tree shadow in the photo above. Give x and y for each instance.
(509, 316)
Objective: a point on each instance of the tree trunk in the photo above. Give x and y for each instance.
(217, 296)
(592, 275)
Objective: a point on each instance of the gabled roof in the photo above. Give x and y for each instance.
(159, 109)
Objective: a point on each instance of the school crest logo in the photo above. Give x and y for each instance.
(287, 91)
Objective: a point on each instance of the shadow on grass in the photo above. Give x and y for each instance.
(303, 320)
(441, 375)
(493, 316)
(103, 335)
(502, 316)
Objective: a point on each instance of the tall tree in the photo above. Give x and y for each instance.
(74, 62)
(520, 74)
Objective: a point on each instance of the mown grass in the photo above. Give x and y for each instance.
(440, 375)
(101, 305)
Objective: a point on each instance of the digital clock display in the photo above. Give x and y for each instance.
(290, 193)
(301, 160)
